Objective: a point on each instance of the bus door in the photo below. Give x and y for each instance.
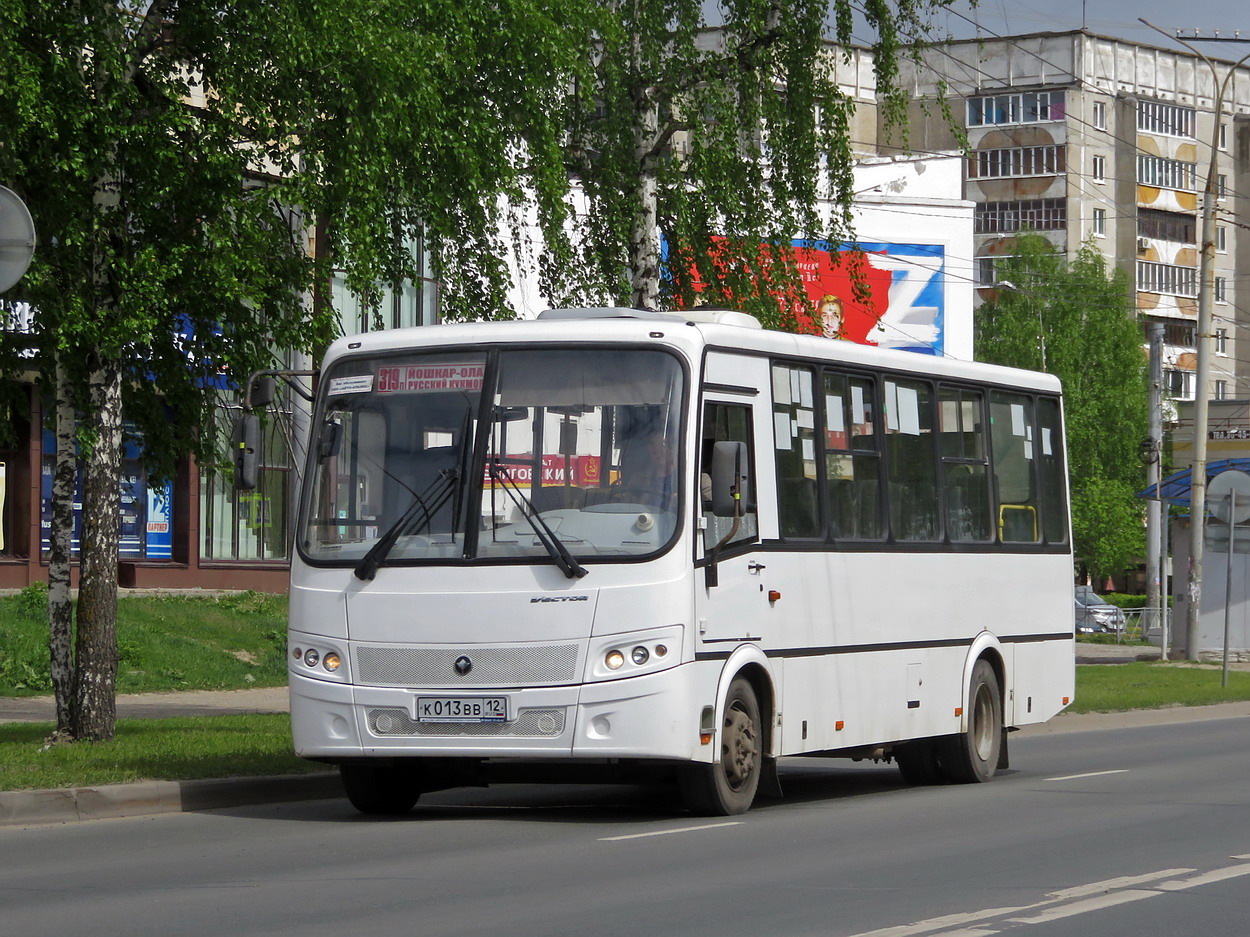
(731, 598)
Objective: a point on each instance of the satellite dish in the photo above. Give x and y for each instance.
(1219, 500)
(17, 238)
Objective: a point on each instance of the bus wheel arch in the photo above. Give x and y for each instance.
(742, 763)
(975, 754)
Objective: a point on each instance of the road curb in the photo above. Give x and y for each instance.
(146, 798)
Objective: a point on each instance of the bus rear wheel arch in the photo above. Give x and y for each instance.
(968, 757)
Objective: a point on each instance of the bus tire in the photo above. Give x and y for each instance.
(727, 786)
(380, 789)
(918, 762)
(972, 757)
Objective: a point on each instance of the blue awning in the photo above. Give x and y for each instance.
(1175, 488)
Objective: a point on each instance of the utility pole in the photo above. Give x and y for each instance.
(1203, 340)
(1155, 514)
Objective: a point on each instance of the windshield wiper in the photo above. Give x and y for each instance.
(427, 503)
(558, 552)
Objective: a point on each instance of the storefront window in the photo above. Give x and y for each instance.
(250, 525)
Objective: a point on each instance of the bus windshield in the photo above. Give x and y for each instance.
(477, 454)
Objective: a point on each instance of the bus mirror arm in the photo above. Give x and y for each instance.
(710, 576)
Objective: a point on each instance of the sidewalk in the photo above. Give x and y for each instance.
(160, 705)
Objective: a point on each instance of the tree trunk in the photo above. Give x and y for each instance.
(60, 601)
(644, 246)
(644, 234)
(95, 674)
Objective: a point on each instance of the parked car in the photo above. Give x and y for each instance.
(1094, 614)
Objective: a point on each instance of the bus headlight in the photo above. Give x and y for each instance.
(318, 658)
(630, 655)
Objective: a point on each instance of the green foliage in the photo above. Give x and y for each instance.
(1102, 688)
(1080, 318)
(163, 643)
(152, 749)
(725, 141)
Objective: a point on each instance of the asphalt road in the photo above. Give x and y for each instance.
(1140, 831)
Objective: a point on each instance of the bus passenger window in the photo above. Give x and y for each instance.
(1013, 439)
(1051, 472)
(852, 459)
(794, 443)
(965, 468)
(724, 423)
(911, 461)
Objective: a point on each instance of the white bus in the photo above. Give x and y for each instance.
(646, 545)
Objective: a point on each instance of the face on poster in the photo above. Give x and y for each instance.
(875, 293)
(884, 294)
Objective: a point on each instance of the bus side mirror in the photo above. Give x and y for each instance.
(246, 441)
(262, 392)
(731, 485)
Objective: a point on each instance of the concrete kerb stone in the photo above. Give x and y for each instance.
(146, 798)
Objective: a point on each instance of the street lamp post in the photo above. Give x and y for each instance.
(1206, 295)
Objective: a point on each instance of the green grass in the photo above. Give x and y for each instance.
(165, 643)
(151, 749)
(1117, 687)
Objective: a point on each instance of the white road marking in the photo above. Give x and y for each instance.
(1219, 875)
(1109, 900)
(1092, 774)
(684, 829)
(1070, 902)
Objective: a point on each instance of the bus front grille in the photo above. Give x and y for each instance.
(489, 666)
(532, 723)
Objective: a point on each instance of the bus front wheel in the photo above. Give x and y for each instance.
(384, 788)
(727, 786)
(972, 756)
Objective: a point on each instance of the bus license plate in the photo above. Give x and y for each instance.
(462, 709)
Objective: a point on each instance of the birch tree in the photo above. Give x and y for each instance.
(176, 156)
(725, 141)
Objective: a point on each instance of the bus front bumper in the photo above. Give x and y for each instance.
(656, 716)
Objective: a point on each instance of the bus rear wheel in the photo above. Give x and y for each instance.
(382, 789)
(727, 786)
(971, 757)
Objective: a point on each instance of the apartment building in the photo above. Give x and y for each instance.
(1082, 137)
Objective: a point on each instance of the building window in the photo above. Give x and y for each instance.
(1171, 120)
(1028, 108)
(1179, 384)
(1017, 161)
(1167, 278)
(250, 525)
(1099, 164)
(1100, 115)
(1221, 390)
(1100, 222)
(1221, 341)
(1221, 290)
(1045, 214)
(1166, 226)
(1167, 173)
(1221, 239)
(414, 302)
(1221, 185)
(1178, 333)
(1223, 136)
